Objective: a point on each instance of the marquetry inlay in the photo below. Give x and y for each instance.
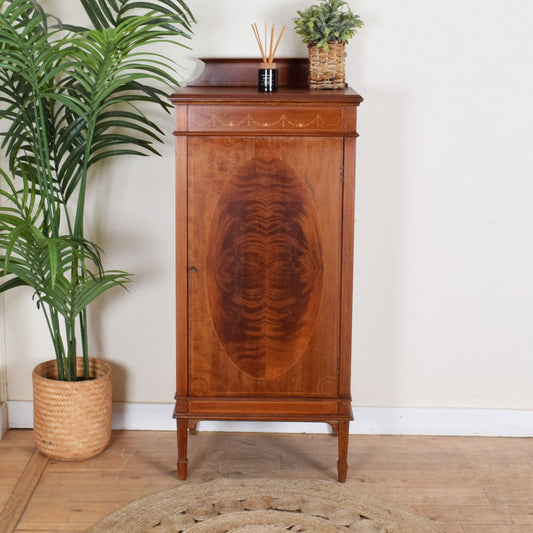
(223, 118)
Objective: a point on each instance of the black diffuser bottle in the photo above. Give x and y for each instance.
(267, 78)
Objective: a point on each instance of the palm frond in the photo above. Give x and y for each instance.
(46, 264)
(70, 97)
(109, 13)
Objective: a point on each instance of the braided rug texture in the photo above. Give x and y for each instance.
(263, 506)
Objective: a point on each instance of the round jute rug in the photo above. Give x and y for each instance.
(263, 506)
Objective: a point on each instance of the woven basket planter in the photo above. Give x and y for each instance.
(72, 419)
(326, 69)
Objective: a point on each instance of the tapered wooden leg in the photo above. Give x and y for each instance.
(342, 464)
(182, 447)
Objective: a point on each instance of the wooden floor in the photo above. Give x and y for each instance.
(466, 485)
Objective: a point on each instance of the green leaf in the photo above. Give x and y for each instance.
(70, 97)
(52, 253)
(11, 284)
(328, 21)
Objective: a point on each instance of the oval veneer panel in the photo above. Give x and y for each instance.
(265, 268)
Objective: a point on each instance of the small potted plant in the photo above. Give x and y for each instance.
(325, 28)
(71, 97)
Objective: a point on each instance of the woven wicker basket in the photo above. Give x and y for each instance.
(72, 420)
(326, 69)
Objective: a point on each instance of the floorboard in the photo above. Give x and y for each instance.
(466, 485)
(22, 492)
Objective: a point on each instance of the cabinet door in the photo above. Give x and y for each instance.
(264, 241)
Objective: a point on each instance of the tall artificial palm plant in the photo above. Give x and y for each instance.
(69, 98)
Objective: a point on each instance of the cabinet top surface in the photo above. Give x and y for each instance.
(250, 95)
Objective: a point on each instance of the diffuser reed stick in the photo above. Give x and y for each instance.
(258, 39)
(268, 60)
(271, 59)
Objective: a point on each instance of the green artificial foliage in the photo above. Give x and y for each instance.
(69, 97)
(328, 21)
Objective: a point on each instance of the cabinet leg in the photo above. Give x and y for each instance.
(182, 448)
(342, 464)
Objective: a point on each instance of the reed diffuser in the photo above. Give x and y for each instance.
(267, 74)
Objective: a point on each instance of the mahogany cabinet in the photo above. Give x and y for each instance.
(264, 249)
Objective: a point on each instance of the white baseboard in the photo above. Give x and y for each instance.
(368, 421)
(446, 422)
(4, 422)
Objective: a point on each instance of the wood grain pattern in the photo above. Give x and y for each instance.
(242, 72)
(241, 95)
(264, 270)
(342, 462)
(346, 292)
(466, 484)
(268, 233)
(181, 264)
(294, 282)
(182, 428)
(15, 506)
(234, 408)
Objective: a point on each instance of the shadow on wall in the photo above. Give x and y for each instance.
(120, 380)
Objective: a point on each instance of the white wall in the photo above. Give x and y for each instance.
(444, 248)
(444, 236)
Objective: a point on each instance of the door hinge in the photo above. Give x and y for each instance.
(342, 173)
